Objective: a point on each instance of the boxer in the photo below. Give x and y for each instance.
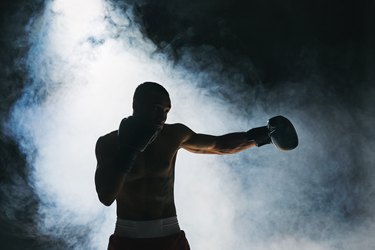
(136, 167)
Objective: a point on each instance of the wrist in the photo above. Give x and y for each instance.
(126, 159)
(260, 135)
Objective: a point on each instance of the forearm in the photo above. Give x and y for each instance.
(233, 143)
(109, 178)
(108, 182)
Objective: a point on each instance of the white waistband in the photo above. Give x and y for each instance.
(147, 229)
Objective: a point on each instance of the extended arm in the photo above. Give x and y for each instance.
(209, 144)
(279, 131)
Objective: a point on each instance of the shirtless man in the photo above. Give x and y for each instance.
(136, 166)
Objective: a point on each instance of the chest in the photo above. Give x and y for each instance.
(158, 160)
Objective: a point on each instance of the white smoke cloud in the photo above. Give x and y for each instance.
(87, 57)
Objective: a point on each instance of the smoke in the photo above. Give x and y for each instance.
(85, 60)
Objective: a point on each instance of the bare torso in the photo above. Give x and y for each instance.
(148, 190)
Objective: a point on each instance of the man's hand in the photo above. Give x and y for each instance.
(135, 134)
(116, 154)
(279, 131)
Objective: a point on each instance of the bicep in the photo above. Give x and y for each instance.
(105, 151)
(100, 151)
(108, 178)
(100, 162)
(199, 143)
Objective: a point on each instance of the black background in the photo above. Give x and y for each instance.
(285, 41)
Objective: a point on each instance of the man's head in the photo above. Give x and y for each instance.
(151, 103)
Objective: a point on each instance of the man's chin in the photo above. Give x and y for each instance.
(159, 126)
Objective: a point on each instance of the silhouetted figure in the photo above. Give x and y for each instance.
(136, 166)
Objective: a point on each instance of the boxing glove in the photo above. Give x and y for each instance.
(279, 131)
(133, 133)
(134, 136)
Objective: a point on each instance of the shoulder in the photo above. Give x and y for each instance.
(106, 143)
(178, 131)
(177, 128)
(107, 138)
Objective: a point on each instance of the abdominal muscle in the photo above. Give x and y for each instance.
(148, 191)
(146, 199)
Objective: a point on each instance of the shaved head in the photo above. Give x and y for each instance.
(146, 88)
(151, 103)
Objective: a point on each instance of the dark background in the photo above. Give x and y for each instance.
(283, 41)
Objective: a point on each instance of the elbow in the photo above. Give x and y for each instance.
(105, 199)
(106, 203)
(105, 194)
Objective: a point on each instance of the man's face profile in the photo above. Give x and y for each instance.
(152, 108)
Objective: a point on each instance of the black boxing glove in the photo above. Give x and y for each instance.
(133, 133)
(134, 136)
(279, 131)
